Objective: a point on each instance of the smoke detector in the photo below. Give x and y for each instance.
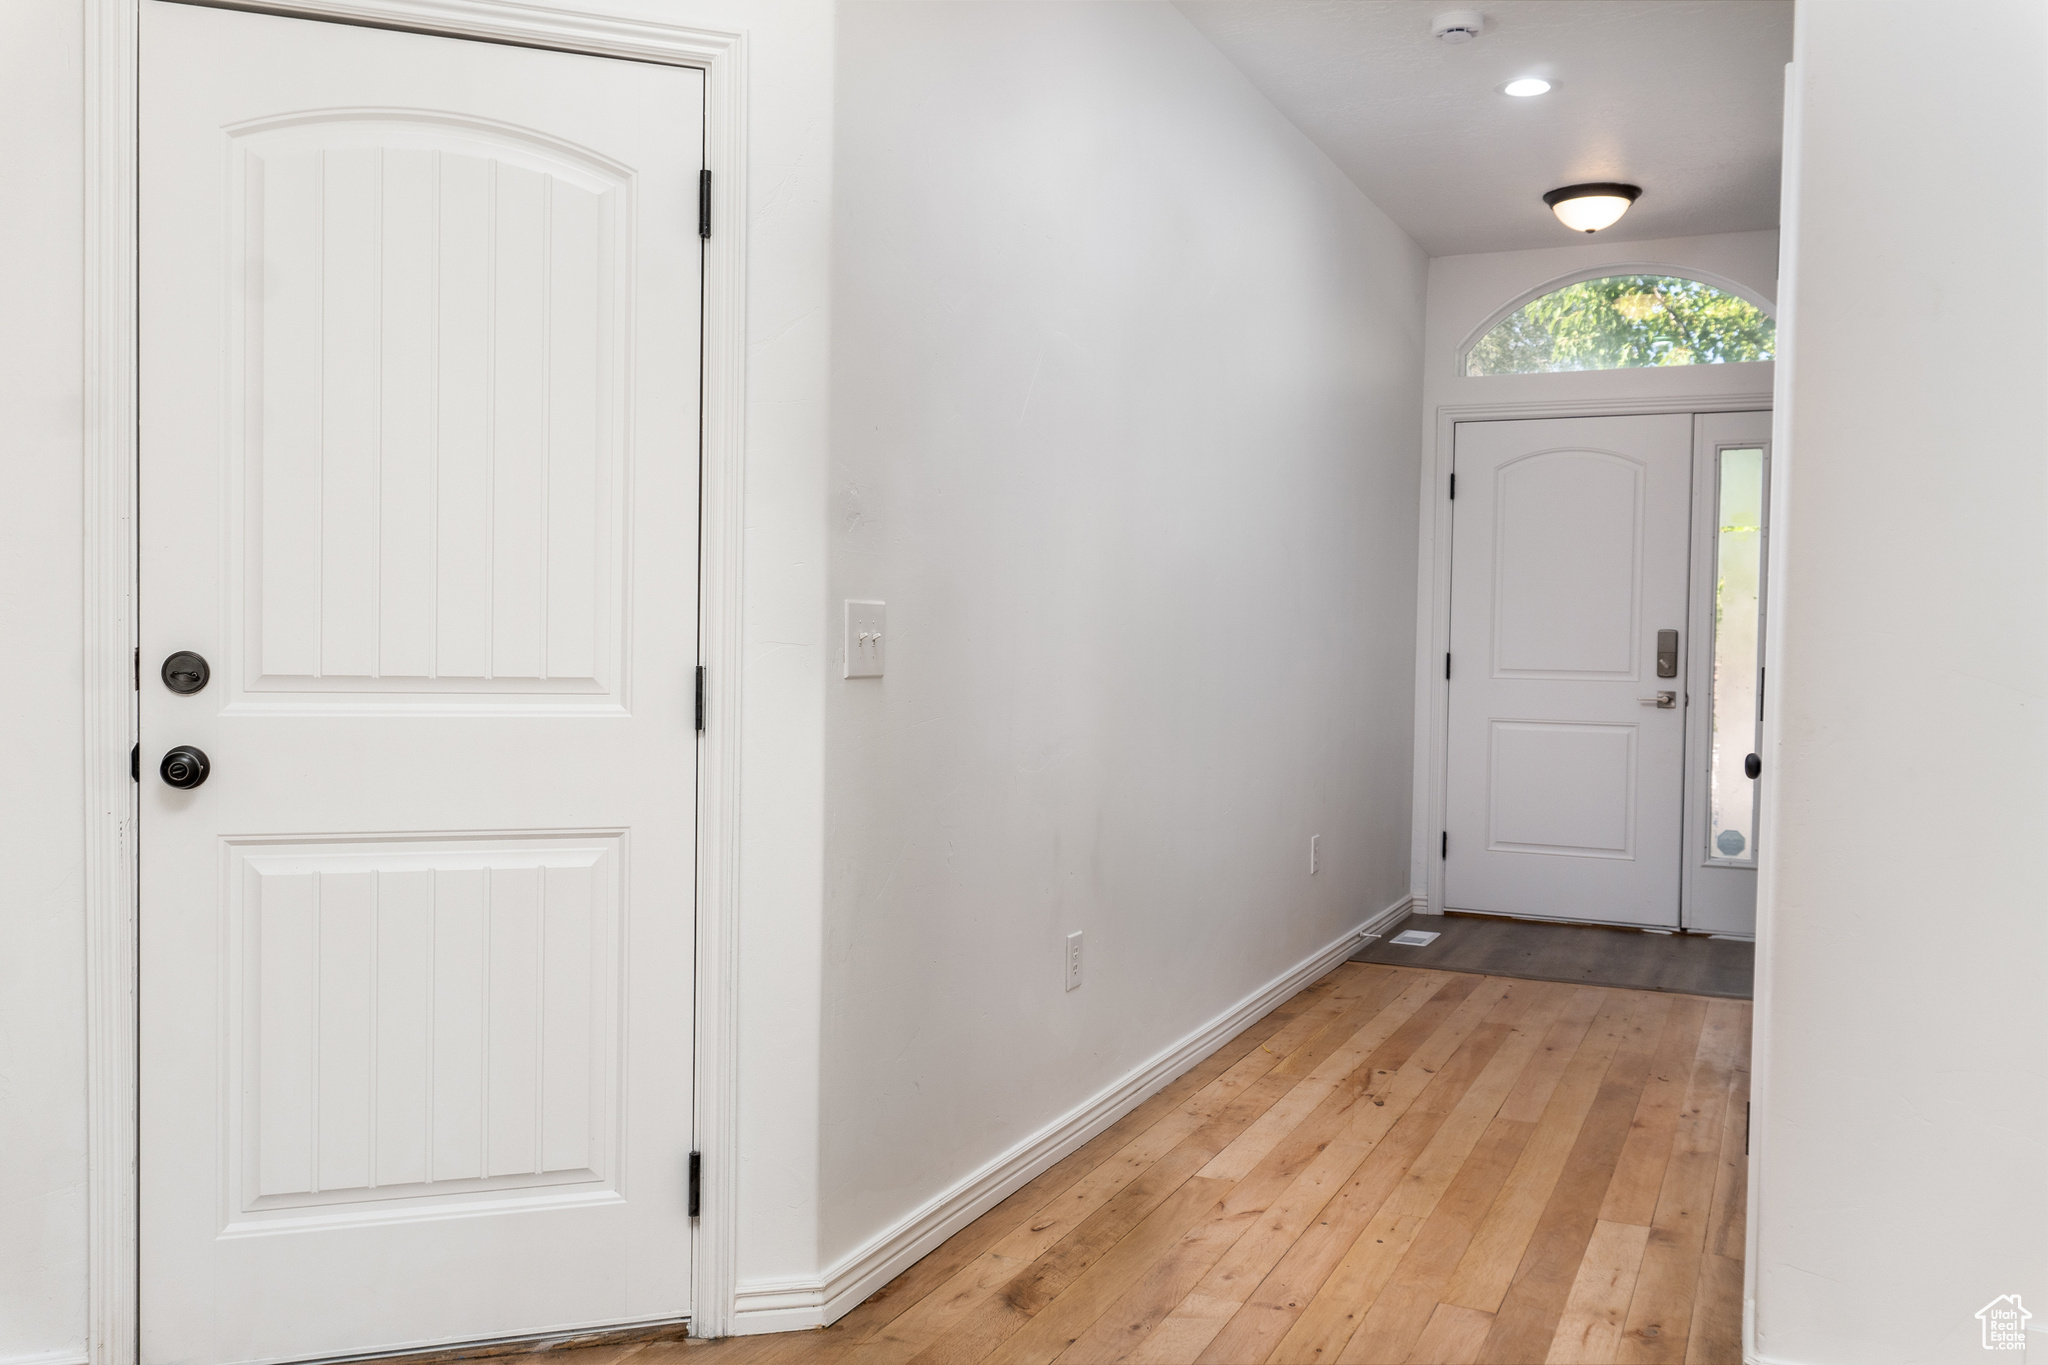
(1457, 25)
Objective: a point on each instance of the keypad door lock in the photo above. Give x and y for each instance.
(186, 672)
(184, 767)
(1667, 653)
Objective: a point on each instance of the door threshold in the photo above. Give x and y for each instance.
(634, 1334)
(1575, 923)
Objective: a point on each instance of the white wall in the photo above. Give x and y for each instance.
(1125, 374)
(42, 1008)
(1465, 294)
(42, 833)
(1900, 1103)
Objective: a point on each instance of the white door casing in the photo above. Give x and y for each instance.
(1564, 779)
(419, 359)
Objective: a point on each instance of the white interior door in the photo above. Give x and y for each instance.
(1731, 528)
(1565, 772)
(419, 331)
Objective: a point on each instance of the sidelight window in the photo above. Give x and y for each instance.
(1738, 611)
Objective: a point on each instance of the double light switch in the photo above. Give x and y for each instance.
(864, 639)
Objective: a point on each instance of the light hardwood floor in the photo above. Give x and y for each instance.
(1396, 1165)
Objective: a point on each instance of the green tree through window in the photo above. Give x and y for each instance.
(1622, 322)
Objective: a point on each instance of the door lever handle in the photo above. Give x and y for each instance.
(1663, 701)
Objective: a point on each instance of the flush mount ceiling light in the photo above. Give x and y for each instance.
(1588, 208)
(1526, 87)
(1457, 25)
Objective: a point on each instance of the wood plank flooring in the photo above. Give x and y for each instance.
(1396, 1165)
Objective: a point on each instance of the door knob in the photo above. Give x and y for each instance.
(1663, 701)
(184, 767)
(1752, 766)
(185, 672)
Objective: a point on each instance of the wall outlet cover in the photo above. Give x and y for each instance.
(1073, 960)
(864, 621)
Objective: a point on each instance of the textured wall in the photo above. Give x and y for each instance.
(1903, 1043)
(1125, 374)
(42, 836)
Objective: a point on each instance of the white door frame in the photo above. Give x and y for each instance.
(111, 64)
(1433, 700)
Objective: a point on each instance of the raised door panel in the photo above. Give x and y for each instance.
(422, 1018)
(1567, 565)
(432, 482)
(1562, 788)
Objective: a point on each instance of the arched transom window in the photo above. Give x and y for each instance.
(1625, 321)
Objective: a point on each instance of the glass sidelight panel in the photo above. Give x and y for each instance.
(1738, 573)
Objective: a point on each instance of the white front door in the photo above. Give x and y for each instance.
(1567, 731)
(419, 359)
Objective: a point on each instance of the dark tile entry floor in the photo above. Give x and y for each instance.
(1689, 964)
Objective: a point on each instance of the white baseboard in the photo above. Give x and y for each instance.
(48, 1358)
(777, 1306)
(1414, 903)
(790, 1305)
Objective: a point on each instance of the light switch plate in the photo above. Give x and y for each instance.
(864, 639)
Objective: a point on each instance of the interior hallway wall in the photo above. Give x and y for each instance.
(42, 830)
(1902, 1057)
(1125, 375)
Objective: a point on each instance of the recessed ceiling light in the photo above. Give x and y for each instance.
(1588, 208)
(1525, 87)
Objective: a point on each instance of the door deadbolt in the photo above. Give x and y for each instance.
(1667, 653)
(184, 767)
(186, 672)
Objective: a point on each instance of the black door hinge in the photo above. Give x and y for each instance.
(138, 668)
(1447, 845)
(135, 763)
(704, 203)
(1745, 1128)
(700, 699)
(1447, 666)
(1454, 487)
(696, 1182)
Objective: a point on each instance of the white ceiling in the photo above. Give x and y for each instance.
(1681, 97)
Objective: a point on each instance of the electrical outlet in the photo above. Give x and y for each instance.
(1315, 848)
(1073, 960)
(864, 639)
